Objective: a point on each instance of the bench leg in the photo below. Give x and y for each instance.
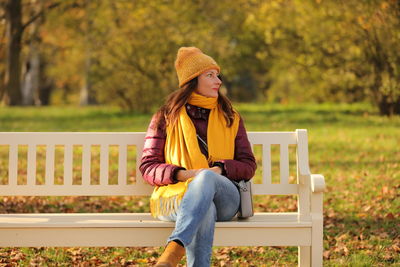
(317, 244)
(304, 257)
(317, 236)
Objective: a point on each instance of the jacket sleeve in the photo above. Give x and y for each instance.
(153, 167)
(243, 165)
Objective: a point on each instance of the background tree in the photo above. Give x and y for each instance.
(14, 29)
(330, 51)
(122, 52)
(2, 48)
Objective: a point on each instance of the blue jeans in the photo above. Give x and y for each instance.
(210, 197)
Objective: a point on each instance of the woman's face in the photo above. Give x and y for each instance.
(208, 83)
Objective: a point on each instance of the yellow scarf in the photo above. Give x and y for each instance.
(182, 149)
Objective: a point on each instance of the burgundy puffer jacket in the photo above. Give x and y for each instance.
(156, 172)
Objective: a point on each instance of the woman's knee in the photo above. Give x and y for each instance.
(205, 177)
(207, 174)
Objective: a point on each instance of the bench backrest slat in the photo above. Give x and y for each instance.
(13, 165)
(122, 159)
(266, 163)
(123, 140)
(68, 164)
(49, 178)
(104, 164)
(86, 164)
(31, 170)
(284, 164)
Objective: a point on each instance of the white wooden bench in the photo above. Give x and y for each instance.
(303, 228)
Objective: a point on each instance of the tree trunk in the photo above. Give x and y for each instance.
(46, 85)
(389, 108)
(13, 51)
(31, 76)
(87, 96)
(30, 85)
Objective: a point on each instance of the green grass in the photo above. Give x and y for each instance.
(356, 150)
(71, 119)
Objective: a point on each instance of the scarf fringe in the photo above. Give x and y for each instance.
(165, 206)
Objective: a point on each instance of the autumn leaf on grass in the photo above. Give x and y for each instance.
(222, 257)
(342, 249)
(142, 260)
(326, 254)
(389, 216)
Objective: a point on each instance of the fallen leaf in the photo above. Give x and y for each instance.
(326, 254)
(389, 216)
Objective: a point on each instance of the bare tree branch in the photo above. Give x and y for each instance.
(41, 13)
(38, 15)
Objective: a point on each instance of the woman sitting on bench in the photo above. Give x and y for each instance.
(195, 145)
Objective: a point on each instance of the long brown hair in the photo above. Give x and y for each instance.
(169, 112)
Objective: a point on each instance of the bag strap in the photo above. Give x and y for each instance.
(203, 142)
(241, 185)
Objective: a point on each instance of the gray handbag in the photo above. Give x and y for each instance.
(246, 199)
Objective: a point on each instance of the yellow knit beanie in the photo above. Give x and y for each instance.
(191, 62)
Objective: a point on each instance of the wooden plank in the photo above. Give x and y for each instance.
(284, 163)
(76, 190)
(317, 229)
(302, 152)
(136, 236)
(266, 164)
(104, 162)
(282, 229)
(122, 164)
(303, 175)
(86, 164)
(13, 164)
(138, 175)
(31, 165)
(122, 190)
(68, 164)
(275, 189)
(304, 256)
(272, 138)
(139, 153)
(50, 149)
(87, 220)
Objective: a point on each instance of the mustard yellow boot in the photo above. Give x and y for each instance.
(171, 256)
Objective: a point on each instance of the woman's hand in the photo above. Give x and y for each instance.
(183, 175)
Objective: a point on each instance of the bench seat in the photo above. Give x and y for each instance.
(141, 229)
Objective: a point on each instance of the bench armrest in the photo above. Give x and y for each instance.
(317, 180)
(317, 183)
